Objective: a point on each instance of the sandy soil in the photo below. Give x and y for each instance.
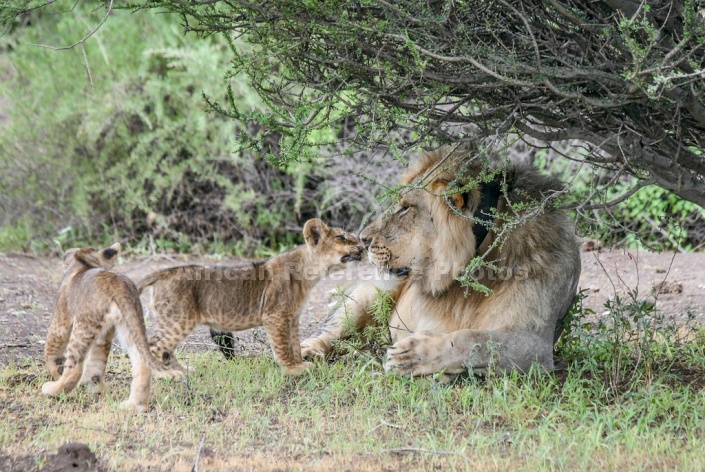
(28, 286)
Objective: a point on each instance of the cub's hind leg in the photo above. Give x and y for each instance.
(57, 339)
(173, 325)
(96, 361)
(141, 374)
(278, 328)
(82, 336)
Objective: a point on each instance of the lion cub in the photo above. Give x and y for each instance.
(270, 294)
(93, 303)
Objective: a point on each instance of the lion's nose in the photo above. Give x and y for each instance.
(367, 242)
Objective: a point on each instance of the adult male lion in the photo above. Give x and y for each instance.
(427, 240)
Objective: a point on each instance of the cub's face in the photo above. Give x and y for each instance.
(332, 246)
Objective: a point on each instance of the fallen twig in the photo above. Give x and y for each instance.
(384, 423)
(198, 453)
(429, 451)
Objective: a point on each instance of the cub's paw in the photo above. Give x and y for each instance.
(297, 369)
(51, 389)
(175, 374)
(95, 388)
(314, 348)
(56, 367)
(134, 407)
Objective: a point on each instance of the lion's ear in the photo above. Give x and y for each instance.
(459, 200)
(313, 231)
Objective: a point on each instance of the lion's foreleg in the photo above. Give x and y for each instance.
(480, 351)
(353, 313)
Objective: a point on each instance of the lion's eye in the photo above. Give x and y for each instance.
(402, 210)
(340, 237)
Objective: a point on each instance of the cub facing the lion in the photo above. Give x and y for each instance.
(269, 294)
(426, 242)
(93, 304)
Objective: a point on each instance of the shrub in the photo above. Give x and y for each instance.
(122, 145)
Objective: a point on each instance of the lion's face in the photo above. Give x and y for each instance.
(399, 242)
(427, 236)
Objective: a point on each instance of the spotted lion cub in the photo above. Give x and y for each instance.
(270, 294)
(93, 303)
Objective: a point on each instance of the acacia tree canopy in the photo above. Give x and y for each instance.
(623, 77)
(627, 78)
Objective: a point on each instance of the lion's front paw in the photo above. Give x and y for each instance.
(418, 354)
(314, 348)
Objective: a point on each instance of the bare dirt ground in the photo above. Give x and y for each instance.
(28, 286)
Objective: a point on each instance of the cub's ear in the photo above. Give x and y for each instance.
(314, 230)
(112, 252)
(68, 256)
(87, 255)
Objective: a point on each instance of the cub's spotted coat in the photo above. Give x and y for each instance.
(269, 294)
(92, 305)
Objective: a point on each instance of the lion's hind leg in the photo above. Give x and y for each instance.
(141, 374)
(56, 342)
(96, 361)
(82, 336)
(173, 325)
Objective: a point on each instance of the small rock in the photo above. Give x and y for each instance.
(667, 287)
(72, 457)
(649, 302)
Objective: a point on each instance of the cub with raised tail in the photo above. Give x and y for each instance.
(270, 294)
(92, 305)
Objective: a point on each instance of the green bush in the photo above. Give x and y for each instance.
(631, 346)
(122, 145)
(652, 217)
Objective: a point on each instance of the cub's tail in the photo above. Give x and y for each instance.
(133, 318)
(187, 272)
(150, 280)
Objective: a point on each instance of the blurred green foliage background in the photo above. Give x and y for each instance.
(113, 140)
